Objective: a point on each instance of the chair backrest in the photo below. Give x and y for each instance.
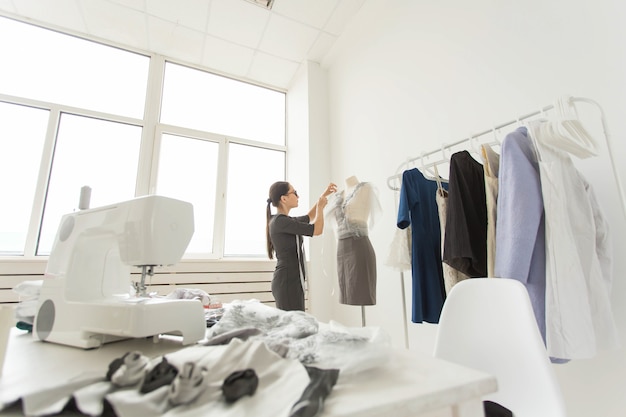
(488, 324)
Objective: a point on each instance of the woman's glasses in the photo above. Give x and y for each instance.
(294, 192)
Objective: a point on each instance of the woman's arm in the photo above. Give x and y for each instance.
(317, 211)
(318, 223)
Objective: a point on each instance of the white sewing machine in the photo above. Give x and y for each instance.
(86, 298)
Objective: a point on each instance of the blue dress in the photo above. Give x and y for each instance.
(418, 209)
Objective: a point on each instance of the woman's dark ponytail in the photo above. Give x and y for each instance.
(277, 190)
(270, 247)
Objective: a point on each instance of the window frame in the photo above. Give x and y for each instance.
(152, 129)
(219, 225)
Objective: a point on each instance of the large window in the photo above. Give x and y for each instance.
(84, 121)
(251, 171)
(188, 171)
(249, 122)
(212, 103)
(89, 152)
(22, 135)
(49, 66)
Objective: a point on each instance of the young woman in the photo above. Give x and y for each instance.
(284, 238)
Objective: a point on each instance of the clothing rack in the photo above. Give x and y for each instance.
(393, 180)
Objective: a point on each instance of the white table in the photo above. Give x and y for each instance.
(410, 385)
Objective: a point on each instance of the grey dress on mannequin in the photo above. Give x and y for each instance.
(354, 210)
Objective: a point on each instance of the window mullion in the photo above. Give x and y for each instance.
(148, 153)
(219, 235)
(43, 179)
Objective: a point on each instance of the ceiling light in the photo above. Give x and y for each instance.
(264, 3)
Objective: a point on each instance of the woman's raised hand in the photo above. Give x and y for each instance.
(330, 189)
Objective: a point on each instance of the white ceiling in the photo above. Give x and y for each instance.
(234, 37)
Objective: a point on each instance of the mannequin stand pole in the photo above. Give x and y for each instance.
(363, 316)
(404, 312)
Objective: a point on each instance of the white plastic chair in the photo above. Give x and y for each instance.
(488, 324)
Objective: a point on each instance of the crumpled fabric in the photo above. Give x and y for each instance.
(188, 384)
(128, 370)
(298, 335)
(28, 292)
(190, 294)
(277, 348)
(55, 399)
(281, 384)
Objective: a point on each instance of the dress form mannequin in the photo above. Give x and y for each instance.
(359, 206)
(356, 260)
(351, 182)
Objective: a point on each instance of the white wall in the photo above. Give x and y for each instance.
(408, 75)
(308, 169)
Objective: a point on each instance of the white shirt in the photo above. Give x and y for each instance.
(579, 318)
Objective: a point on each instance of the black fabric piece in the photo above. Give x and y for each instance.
(496, 410)
(162, 374)
(240, 383)
(115, 365)
(22, 325)
(212, 321)
(465, 243)
(16, 407)
(107, 409)
(71, 406)
(311, 403)
(225, 338)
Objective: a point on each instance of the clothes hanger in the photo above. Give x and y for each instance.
(429, 169)
(444, 157)
(425, 171)
(564, 131)
(475, 148)
(496, 137)
(440, 189)
(573, 129)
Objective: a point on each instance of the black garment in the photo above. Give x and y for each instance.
(465, 244)
(288, 283)
(162, 374)
(311, 403)
(239, 384)
(496, 410)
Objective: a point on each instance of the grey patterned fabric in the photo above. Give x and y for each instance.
(298, 335)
